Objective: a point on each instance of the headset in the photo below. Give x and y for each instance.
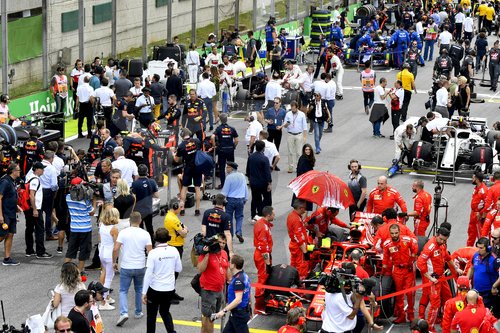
(486, 242)
(174, 204)
(296, 316)
(216, 200)
(353, 161)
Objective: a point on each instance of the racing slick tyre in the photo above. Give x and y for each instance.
(8, 134)
(422, 240)
(385, 286)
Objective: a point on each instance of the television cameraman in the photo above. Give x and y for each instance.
(344, 299)
(213, 265)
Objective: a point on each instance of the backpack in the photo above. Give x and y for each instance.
(204, 162)
(23, 194)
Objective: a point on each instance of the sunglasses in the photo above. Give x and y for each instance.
(495, 238)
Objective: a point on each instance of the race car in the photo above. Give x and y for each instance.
(461, 147)
(378, 55)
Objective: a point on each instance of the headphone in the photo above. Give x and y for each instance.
(353, 161)
(486, 242)
(216, 200)
(174, 204)
(296, 316)
(3, 98)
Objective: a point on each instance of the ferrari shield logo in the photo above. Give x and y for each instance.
(315, 189)
(460, 305)
(346, 193)
(473, 310)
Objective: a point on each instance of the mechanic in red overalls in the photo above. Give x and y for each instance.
(463, 257)
(455, 304)
(421, 208)
(477, 208)
(262, 256)
(400, 253)
(383, 197)
(493, 194)
(492, 220)
(431, 264)
(383, 233)
(298, 238)
(320, 220)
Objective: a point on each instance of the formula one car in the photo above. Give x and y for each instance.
(461, 147)
(329, 253)
(379, 55)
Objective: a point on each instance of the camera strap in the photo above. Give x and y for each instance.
(344, 295)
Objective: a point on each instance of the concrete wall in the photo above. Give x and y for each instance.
(129, 28)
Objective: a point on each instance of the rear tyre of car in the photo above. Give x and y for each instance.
(385, 286)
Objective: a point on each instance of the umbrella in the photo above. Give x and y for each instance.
(322, 188)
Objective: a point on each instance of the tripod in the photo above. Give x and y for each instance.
(439, 202)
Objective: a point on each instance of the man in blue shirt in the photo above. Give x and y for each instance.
(48, 181)
(484, 271)
(274, 118)
(238, 297)
(236, 191)
(80, 239)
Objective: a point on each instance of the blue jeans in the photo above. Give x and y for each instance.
(235, 207)
(210, 111)
(429, 45)
(376, 127)
(126, 278)
(60, 103)
(225, 98)
(318, 133)
(330, 103)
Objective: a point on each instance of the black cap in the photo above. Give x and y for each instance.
(38, 165)
(232, 165)
(97, 287)
(146, 89)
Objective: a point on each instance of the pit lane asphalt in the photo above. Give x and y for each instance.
(24, 288)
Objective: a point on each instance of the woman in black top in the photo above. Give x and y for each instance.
(306, 163)
(124, 202)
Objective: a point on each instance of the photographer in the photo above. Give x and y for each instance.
(343, 299)
(213, 266)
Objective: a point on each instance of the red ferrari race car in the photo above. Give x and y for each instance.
(329, 253)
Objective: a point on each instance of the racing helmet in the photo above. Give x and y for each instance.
(463, 282)
(154, 128)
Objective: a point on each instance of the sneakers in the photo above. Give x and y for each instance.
(122, 320)
(197, 212)
(30, 254)
(183, 212)
(10, 262)
(106, 307)
(109, 300)
(44, 256)
(51, 238)
(59, 250)
(240, 238)
(139, 316)
(367, 109)
(328, 130)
